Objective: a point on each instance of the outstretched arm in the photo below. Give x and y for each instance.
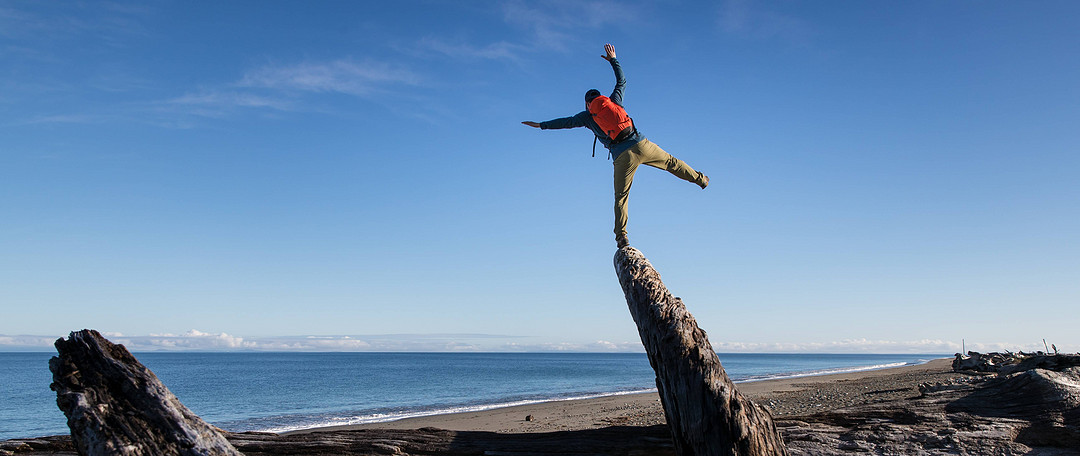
(574, 121)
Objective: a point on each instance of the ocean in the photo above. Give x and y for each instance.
(289, 391)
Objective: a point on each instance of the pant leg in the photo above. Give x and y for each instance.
(625, 166)
(654, 156)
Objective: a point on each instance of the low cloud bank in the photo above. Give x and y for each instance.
(873, 346)
(195, 340)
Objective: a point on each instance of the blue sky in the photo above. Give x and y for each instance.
(886, 176)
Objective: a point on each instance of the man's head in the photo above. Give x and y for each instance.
(590, 95)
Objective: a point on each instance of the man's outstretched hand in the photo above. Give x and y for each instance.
(531, 124)
(610, 50)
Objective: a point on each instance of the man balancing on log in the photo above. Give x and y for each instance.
(608, 120)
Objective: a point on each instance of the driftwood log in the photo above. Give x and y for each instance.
(116, 406)
(706, 414)
(609, 441)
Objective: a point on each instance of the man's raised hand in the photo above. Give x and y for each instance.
(531, 124)
(610, 51)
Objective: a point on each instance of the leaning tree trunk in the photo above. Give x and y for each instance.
(707, 416)
(116, 406)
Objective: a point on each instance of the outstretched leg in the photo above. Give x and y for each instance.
(654, 156)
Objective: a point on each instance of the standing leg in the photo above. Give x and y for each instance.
(625, 166)
(654, 156)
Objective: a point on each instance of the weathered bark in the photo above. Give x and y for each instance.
(610, 441)
(706, 414)
(116, 406)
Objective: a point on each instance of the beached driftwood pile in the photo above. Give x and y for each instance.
(1034, 411)
(983, 362)
(1007, 363)
(116, 406)
(705, 412)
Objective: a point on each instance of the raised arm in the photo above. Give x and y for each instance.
(579, 119)
(620, 80)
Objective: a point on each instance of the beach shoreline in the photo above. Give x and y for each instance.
(783, 397)
(919, 409)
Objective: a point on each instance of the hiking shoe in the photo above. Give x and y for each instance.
(622, 241)
(705, 182)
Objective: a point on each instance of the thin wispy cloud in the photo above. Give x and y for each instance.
(552, 24)
(501, 50)
(11, 21)
(751, 20)
(545, 27)
(217, 102)
(349, 77)
(108, 23)
(288, 87)
(62, 119)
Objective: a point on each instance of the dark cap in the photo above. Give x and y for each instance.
(592, 93)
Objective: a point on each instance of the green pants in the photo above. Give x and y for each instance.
(644, 153)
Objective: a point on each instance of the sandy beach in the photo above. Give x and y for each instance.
(925, 409)
(783, 397)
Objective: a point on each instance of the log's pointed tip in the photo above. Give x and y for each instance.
(628, 254)
(83, 334)
(72, 337)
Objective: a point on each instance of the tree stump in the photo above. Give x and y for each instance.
(706, 414)
(116, 406)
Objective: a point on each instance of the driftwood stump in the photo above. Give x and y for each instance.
(116, 406)
(707, 416)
